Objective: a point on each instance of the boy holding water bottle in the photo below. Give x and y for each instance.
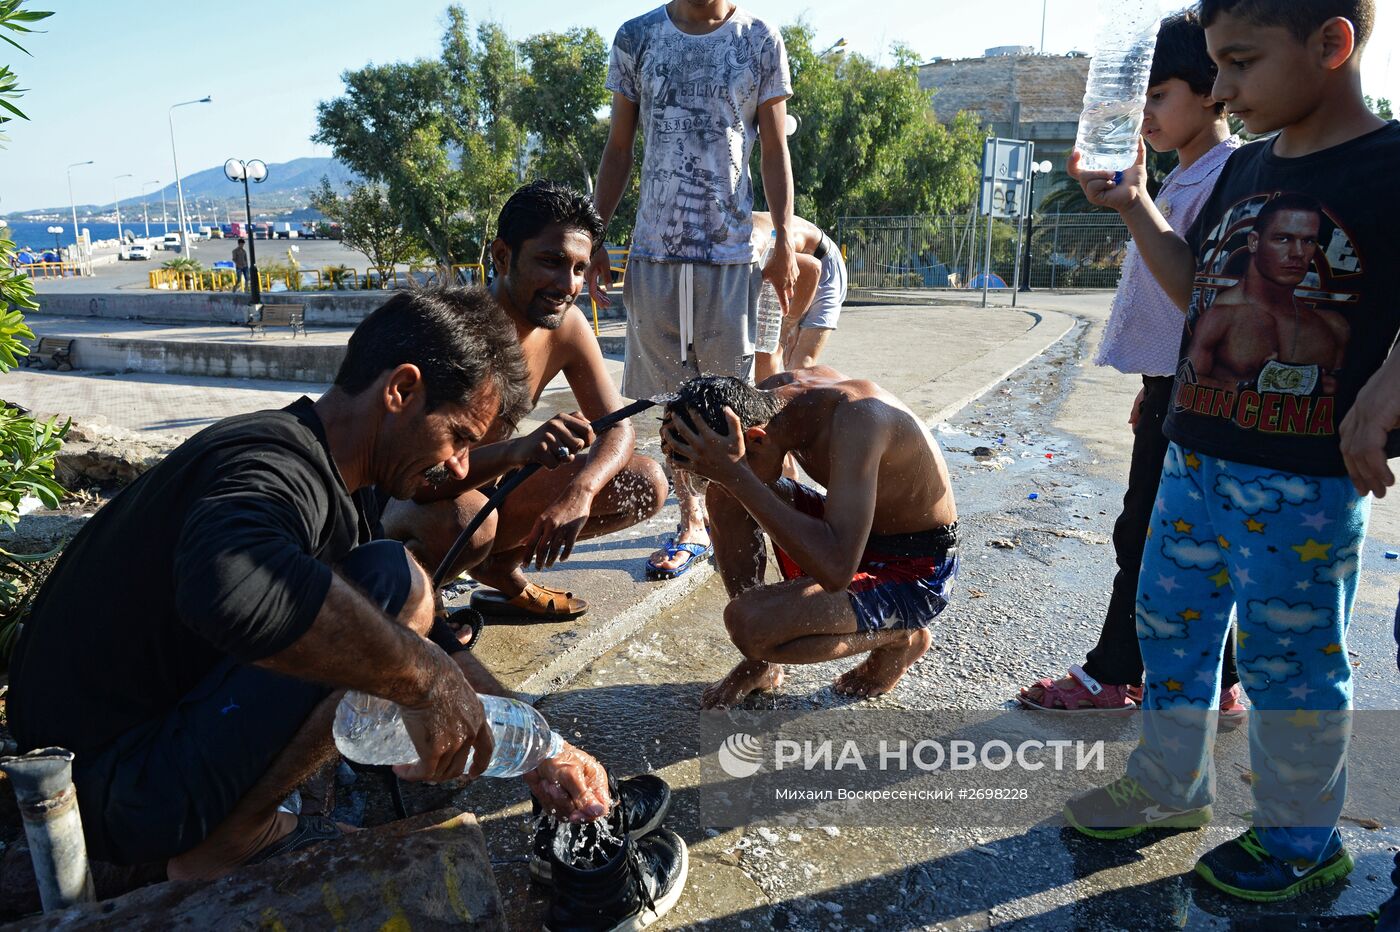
(1255, 515)
(1141, 338)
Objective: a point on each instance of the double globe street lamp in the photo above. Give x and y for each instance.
(254, 170)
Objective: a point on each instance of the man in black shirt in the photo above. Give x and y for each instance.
(191, 643)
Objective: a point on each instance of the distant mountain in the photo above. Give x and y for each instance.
(298, 175)
(288, 184)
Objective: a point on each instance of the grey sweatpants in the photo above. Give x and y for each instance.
(688, 319)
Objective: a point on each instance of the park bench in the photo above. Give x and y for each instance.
(276, 315)
(51, 353)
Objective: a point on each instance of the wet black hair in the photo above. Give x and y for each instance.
(1181, 53)
(708, 395)
(542, 203)
(1290, 201)
(459, 338)
(1300, 17)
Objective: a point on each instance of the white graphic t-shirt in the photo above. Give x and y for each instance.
(698, 99)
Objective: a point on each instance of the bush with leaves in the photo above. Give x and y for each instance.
(27, 446)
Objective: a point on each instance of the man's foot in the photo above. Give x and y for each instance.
(1124, 809)
(884, 667)
(1244, 869)
(672, 560)
(751, 676)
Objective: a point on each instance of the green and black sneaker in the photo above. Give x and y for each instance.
(1124, 809)
(1243, 868)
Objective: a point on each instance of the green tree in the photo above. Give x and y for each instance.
(27, 446)
(869, 143)
(438, 134)
(1381, 107)
(559, 97)
(369, 223)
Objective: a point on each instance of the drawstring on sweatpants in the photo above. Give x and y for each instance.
(686, 292)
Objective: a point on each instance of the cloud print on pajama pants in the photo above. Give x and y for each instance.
(1281, 552)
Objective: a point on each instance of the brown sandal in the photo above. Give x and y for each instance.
(535, 601)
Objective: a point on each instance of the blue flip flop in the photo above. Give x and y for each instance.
(697, 552)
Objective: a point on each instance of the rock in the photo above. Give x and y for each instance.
(1004, 543)
(983, 452)
(428, 872)
(108, 457)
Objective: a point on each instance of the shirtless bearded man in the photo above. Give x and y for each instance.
(545, 237)
(866, 567)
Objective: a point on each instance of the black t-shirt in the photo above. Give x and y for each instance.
(222, 549)
(1295, 303)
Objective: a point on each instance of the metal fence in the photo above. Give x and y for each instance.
(1066, 251)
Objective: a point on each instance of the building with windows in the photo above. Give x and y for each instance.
(1017, 95)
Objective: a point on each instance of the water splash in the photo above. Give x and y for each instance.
(664, 398)
(586, 845)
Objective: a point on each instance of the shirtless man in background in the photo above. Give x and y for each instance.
(816, 298)
(866, 567)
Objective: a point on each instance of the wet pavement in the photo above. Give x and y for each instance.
(1021, 612)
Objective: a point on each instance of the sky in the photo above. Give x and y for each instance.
(104, 73)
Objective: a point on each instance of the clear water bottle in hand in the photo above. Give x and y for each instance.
(370, 730)
(770, 311)
(1111, 124)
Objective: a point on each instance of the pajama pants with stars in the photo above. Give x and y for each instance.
(1279, 552)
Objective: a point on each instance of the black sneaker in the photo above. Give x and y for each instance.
(1124, 809)
(642, 802)
(1243, 868)
(613, 885)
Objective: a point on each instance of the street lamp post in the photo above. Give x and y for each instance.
(164, 215)
(146, 206)
(77, 251)
(254, 170)
(58, 250)
(1037, 168)
(118, 199)
(179, 188)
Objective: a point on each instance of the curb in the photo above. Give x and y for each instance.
(599, 640)
(1049, 328)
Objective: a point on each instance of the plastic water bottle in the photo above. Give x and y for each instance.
(369, 730)
(770, 312)
(1110, 126)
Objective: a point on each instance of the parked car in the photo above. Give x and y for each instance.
(139, 251)
(170, 241)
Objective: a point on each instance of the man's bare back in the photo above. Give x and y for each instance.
(913, 493)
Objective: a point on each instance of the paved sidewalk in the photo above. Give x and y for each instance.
(937, 358)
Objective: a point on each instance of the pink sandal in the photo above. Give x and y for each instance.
(1080, 692)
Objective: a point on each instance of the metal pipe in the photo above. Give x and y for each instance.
(48, 804)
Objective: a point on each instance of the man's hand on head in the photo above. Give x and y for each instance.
(572, 786)
(703, 451)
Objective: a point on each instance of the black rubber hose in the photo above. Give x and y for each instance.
(512, 482)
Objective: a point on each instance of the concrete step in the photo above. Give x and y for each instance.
(217, 350)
